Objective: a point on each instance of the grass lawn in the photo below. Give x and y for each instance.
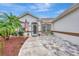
(12, 46)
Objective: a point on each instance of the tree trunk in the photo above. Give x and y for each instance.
(7, 38)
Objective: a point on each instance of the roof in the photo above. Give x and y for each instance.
(47, 20)
(38, 19)
(67, 12)
(27, 14)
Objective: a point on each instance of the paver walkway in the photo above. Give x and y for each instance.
(48, 46)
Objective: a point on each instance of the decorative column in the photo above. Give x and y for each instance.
(26, 25)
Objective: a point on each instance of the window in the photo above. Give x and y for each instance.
(46, 27)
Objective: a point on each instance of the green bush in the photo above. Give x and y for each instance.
(9, 26)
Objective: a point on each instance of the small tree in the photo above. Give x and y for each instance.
(8, 25)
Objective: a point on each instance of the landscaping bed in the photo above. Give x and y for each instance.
(12, 46)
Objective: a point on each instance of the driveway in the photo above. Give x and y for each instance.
(48, 46)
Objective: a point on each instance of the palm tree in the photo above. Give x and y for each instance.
(8, 25)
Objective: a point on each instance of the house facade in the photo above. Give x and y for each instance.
(35, 26)
(66, 25)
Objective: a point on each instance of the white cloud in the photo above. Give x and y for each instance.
(42, 16)
(14, 8)
(12, 5)
(60, 11)
(1, 11)
(43, 5)
(6, 4)
(39, 7)
(57, 13)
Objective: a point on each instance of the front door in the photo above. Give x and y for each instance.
(34, 29)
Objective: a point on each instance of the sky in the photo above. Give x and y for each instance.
(40, 10)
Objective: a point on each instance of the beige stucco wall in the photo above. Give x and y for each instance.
(31, 19)
(69, 23)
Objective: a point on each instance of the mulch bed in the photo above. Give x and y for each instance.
(12, 46)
